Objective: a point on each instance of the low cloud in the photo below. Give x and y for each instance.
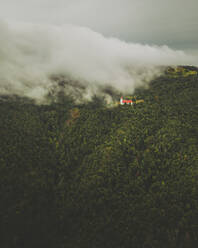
(37, 59)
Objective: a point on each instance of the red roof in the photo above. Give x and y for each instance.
(127, 101)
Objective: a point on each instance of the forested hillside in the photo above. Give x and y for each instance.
(94, 176)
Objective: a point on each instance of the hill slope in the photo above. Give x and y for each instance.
(91, 176)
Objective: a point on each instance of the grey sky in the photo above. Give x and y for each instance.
(170, 22)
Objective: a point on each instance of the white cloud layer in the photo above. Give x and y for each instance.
(31, 54)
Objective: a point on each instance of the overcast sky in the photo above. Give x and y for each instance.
(170, 22)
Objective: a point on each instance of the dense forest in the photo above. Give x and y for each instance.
(93, 176)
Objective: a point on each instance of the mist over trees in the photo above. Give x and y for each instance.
(89, 175)
(33, 56)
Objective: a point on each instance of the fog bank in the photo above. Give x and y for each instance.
(36, 59)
